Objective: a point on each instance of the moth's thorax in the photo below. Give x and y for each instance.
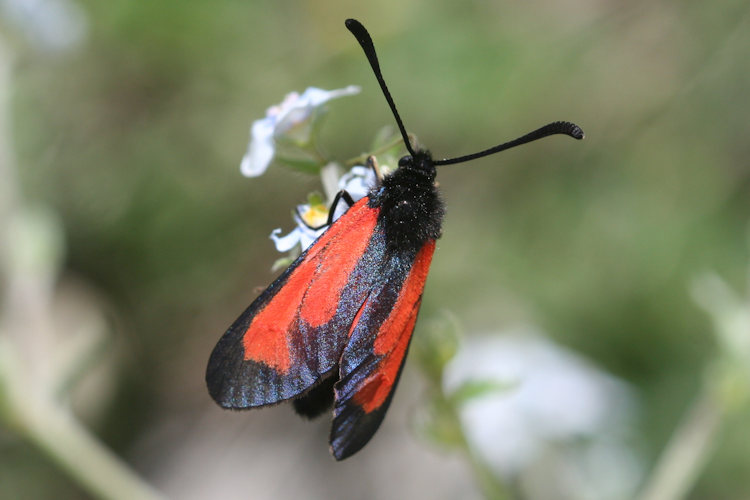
(411, 211)
(419, 164)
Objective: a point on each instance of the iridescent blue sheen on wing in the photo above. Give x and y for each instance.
(374, 357)
(352, 426)
(236, 382)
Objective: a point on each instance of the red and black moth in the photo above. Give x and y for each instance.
(334, 328)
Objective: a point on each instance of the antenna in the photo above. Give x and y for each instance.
(560, 127)
(553, 128)
(364, 39)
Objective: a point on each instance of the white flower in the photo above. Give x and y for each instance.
(49, 24)
(295, 111)
(306, 217)
(554, 403)
(357, 182)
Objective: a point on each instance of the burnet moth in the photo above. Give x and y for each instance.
(334, 328)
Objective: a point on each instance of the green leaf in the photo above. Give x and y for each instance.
(305, 165)
(282, 263)
(436, 344)
(439, 424)
(315, 198)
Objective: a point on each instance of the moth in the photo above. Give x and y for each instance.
(334, 328)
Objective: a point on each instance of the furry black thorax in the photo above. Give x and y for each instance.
(411, 211)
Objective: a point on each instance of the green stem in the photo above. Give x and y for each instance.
(95, 467)
(688, 449)
(491, 486)
(33, 413)
(361, 159)
(27, 404)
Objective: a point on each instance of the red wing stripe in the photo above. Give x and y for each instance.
(335, 267)
(374, 355)
(313, 284)
(378, 386)
(394, 335)
(411, 292)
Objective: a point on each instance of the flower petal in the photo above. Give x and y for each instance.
(358, 181)
(314, 96)
(306, 240)
(260, 151)
(285, 243)
(298, 109)
(307, 235)
(281, 120)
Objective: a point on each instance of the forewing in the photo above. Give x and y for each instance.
(374, 355)
(291, 337)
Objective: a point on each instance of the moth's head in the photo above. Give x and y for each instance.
(420, 162)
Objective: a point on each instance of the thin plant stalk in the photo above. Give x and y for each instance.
(688, 450)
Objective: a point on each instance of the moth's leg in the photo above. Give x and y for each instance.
(372, 163)
(341, 195)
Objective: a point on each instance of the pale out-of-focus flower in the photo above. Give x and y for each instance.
(314, 214)
(553, 402)
(292, 120)
(51, 25)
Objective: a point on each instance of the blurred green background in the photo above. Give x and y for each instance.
(133, 138)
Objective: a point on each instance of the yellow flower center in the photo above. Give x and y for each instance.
(316, 215)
